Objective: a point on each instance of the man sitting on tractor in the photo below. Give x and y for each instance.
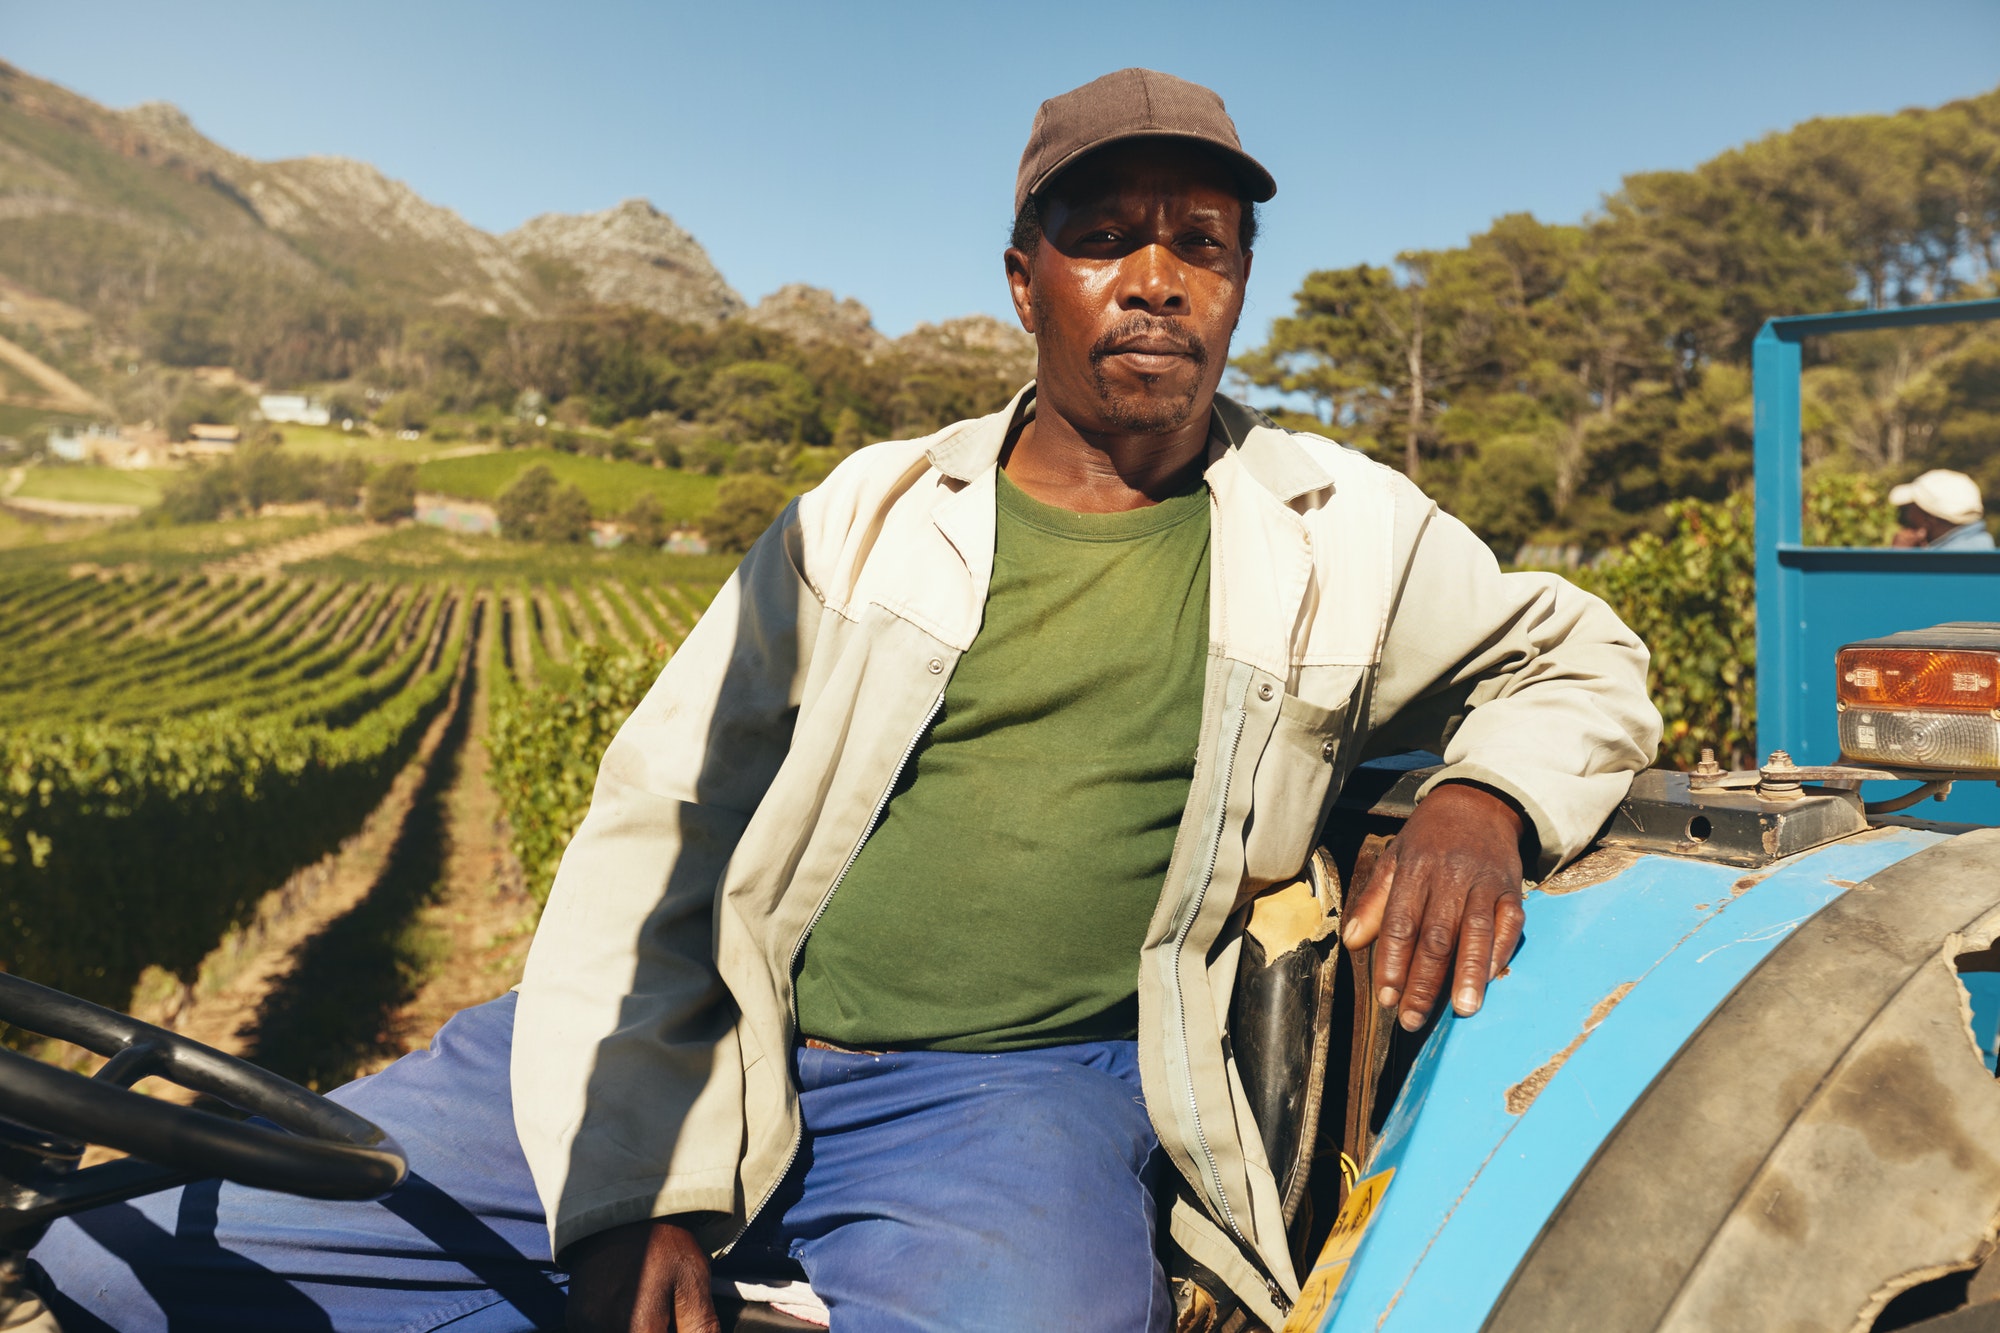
(896, 941)
(1941, 511)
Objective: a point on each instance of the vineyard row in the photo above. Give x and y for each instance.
(172, 747)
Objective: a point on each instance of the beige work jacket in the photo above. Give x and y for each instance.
(1348, 616)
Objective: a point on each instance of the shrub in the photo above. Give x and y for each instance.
(257, 475)
(1691, 594)
(645, 523)
(765, 400)
(811, 466)
(546, 744)
(1847, 509)
(567, 518)
(744, 507)
(708, 457)
(754, 458)
(849, 432)
(536, 508)
(392, 494)
(403, 411)
(219, 405)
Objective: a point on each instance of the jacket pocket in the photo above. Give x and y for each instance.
(1291, 790)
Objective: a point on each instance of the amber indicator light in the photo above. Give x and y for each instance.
(1918, 678)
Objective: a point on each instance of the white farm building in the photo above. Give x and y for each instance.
(293, 409)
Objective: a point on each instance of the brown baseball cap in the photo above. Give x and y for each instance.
(1132, 104)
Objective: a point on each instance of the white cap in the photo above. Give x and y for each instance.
(1941, 493)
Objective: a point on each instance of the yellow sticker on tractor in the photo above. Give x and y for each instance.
(1364, 1201)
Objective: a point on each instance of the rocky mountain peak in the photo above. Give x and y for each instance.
(164, 118)
(149, 179)
(975, 338)
(633, 254)
(813, 314)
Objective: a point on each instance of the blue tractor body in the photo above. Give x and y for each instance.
(1503, 1112)
(1519, 1138)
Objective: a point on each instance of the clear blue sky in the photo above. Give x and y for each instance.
(870, 147)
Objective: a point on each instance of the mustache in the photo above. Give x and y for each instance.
(1138, 325)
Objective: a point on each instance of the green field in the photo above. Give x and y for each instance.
(162, 549)
(17, 531)
(94, 485)
(612, 486)
(428, 553)
(22, 422)
(332, 442)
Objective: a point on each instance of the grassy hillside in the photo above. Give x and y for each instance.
(611, 486)
(22, 423)
(16, 531)
(331, 442)
(93, 485)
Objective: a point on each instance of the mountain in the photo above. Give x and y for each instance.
(973, 338)
(632, 255)
(132, 246)
(116, 211)
(814, 315)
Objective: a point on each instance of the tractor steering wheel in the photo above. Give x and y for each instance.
(330, 1153)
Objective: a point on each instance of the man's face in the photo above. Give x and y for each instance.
(1136, 287)
(1918, 528)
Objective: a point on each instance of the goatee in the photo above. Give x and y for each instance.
(1138, 414)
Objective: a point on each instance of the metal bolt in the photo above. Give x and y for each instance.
(1779, 779)
(1706, 773)
(1265, 691)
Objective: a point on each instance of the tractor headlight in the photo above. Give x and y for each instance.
(1924, 699)
(1953, 742)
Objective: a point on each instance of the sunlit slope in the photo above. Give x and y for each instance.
(611, 485)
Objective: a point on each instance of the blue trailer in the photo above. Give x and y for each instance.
(1813, 599)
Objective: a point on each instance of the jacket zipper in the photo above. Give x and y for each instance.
(1180, 996)
(874, 818)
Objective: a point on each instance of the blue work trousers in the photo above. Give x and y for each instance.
(933, 1191)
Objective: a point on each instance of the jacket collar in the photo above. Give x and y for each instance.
(972, 448)
(1262, 555)
(1270, 455)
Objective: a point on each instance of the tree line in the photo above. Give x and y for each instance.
(1547, 381)
(602, 379)
(1565, 382)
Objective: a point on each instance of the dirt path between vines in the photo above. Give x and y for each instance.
(480, 918)
(312, 546)
(360, 957)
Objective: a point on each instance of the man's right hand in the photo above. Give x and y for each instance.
(643, 1277)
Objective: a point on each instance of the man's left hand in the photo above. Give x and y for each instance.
(1444, 901)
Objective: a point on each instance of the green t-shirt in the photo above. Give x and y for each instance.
(1002, 901)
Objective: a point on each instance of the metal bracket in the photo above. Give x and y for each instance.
(1780, 779)
(1733, 826)
(1733, 821)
